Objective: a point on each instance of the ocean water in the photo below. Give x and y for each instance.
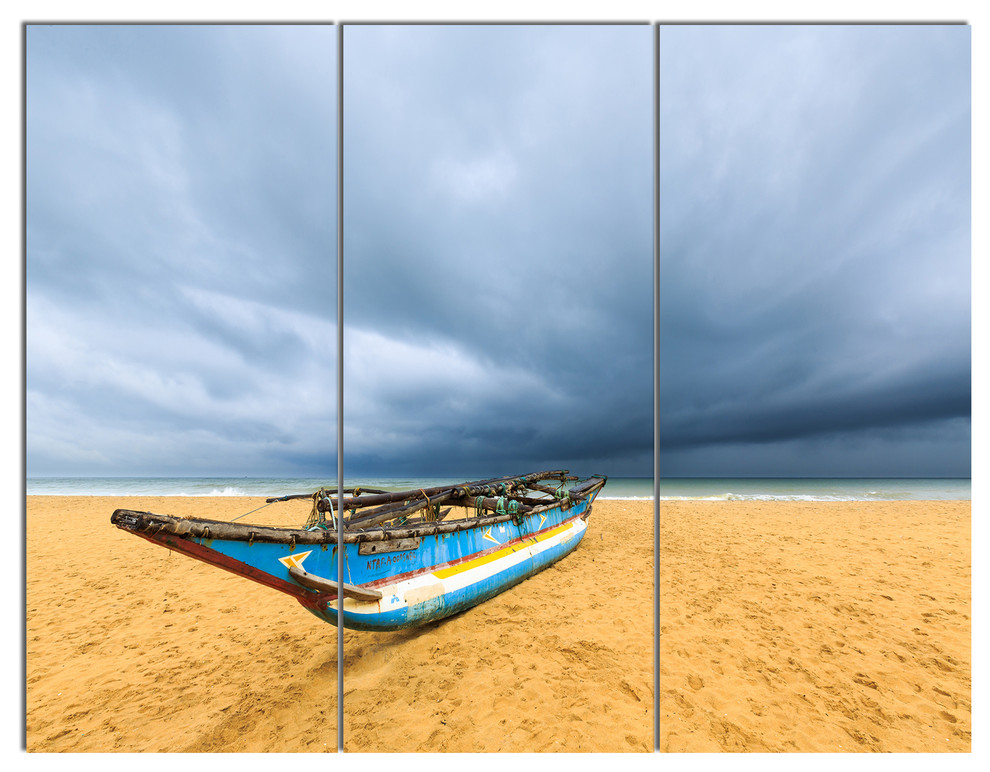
(684, 489)
(173, 486)
(616, 488)
(815, 489)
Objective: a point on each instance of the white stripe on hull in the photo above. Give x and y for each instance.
(429, 585)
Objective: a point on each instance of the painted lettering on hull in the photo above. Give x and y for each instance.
(392, 559)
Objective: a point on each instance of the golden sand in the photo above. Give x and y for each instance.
(133, 648)
(809, 626)
(784, 627)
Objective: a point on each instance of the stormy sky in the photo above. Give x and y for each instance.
(498, 249)
(181, 246)
(814, 251)
(498, 224)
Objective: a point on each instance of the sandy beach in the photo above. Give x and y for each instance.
(798, 626)
(132, 648)
(815, 626)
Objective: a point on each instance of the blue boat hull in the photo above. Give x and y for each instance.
(419, 580)
(439, 592)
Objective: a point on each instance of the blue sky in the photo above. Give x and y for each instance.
(815, 251)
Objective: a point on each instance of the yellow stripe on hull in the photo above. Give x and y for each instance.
(467, 565)
(433, 584)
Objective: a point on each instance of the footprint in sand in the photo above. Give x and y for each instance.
(865, 680)
(695, 682)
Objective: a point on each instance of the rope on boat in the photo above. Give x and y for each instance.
(429, 514)
(514, 512)
(511, 508)
(316, 517)
(253, 511)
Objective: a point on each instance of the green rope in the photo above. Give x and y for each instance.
(316, 518)
(514, 512)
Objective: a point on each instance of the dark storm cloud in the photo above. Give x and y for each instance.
(180, 248)
(814, 250)
(498, 248)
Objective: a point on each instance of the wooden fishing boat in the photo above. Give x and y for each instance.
(407, 559)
